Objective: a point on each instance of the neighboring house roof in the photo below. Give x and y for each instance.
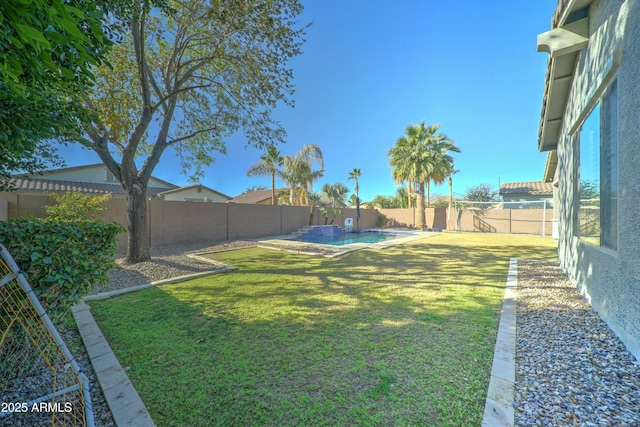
(534, 188)
(200, 187)
(83, 174)
(93, 178)
(254, 197)
(36, 184)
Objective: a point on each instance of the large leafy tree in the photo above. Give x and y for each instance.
(269, 165)
(47, 51)
(187, 80)
(482, 193)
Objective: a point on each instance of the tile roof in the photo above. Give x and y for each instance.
(36, 184)
(534, 188)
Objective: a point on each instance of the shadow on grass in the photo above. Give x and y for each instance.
(402, 336)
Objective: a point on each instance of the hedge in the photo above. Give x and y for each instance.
(63, 260)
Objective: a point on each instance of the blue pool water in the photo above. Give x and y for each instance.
(349, 238)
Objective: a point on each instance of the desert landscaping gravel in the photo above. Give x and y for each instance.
(571, 369)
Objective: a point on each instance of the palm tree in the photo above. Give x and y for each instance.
(401, 166)
(334, 194)
(409, 162)
(268, 166)
(299, 174)
(440, 162)
(313, 198)
(450, 174)
(420, 156)
(355, 174)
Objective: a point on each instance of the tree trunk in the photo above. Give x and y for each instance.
(273, 189)
(428, 193)
(138, 241)
(410, 205)
(450, 202)
(421, 219)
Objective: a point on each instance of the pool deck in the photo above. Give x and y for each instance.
(288, 243)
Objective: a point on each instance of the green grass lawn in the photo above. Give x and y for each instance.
(401, 336)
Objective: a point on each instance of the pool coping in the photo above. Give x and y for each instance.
(287, 241)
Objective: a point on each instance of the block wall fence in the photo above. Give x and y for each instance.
(174, 222)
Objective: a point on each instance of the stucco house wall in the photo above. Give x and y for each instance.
(194, 193)
(609, 279)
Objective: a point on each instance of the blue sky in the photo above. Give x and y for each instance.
(369, 69)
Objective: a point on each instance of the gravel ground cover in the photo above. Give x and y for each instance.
(571, 369)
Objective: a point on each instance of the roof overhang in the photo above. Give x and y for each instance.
(550, 166)
(563, 44)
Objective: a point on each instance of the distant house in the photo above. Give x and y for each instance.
(590, 129)
(194, 193)
(526, 191)
(257, 197)
(96, 179)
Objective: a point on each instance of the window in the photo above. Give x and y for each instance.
(110, 177)
(598, 183)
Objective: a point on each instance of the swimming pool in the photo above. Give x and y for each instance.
(350, 238)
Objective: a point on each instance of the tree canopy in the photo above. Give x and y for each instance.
(187, 80)
(481, 193)
(47, 51)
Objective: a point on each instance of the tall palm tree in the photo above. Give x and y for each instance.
(355, 174)
(299, 174)
(440, 162)
(401, 170)
(450, 174)
(268, 165)
(409, 159)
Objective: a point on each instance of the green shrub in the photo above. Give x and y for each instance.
(63, 260)
(77, 206)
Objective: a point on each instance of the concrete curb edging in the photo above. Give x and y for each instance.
(177, 279)
(124, 401)
(498, 410)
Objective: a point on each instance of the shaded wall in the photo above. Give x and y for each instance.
(177, 222)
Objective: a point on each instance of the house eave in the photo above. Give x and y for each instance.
(563, 44)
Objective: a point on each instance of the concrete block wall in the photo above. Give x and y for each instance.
(4, 210)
